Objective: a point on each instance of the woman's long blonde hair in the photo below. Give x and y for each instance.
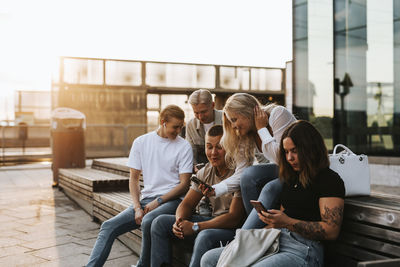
(243, 104)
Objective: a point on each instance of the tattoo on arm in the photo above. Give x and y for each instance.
(310, 230)
(314, 230)
(333, 217)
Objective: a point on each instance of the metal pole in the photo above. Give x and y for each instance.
(2, 145)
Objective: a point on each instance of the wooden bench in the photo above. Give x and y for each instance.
(113, 165)
(79, 184)
(370, 233)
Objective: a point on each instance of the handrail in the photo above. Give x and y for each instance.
(7, 143)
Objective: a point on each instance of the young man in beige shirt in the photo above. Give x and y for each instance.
(206, 232)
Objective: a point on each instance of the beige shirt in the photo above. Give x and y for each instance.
(220, 205)
(195, 135)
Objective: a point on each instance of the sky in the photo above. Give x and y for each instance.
(232, 32)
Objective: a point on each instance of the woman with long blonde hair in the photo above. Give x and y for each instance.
(250, 127)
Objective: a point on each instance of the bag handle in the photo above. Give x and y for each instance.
(349, 152)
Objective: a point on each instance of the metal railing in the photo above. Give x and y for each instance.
(101, 140)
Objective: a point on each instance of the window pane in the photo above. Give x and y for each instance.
(180, 75)
(266, 79)
(179, 100)
(313, 65)
(123, 73)
(83, 71)
(234, 78)
(153, 101)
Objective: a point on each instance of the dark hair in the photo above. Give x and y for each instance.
(215, 130)
(311, 152)
(171, 111)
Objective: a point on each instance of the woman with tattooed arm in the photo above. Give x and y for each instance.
(312, 201)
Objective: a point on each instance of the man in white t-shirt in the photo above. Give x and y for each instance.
(165, 160)
(205, 117)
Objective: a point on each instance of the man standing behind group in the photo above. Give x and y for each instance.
(208, 232)
(166, 161)
(205, 117)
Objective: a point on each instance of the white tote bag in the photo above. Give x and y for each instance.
(353, 169)
(250, 246)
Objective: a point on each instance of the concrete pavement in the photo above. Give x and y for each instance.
(40, 226)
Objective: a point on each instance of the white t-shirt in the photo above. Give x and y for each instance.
(161, 160)
(279, 119)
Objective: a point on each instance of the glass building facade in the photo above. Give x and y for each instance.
(346, 72)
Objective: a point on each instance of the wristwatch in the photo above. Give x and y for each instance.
(196, 227)
(160, 200)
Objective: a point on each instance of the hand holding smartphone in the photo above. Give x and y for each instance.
(258, 206)
(200, 182)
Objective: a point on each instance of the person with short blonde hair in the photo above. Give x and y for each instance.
(165, 161)
(205, 116)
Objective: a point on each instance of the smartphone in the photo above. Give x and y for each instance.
(258, 206)
(199, 182)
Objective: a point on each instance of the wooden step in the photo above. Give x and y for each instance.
(96, 180)
(113, 165)
(80, 183)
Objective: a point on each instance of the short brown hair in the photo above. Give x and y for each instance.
(171, 111)
(311, 152)
(215, 130)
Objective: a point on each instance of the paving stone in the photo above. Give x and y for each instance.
(21, 260)
(86, 235)
(28, 212)
(50, 242)
(6, 218)
(75, 261)
(86, 227)
(8, 242)
(13, 250)
(9, 233)
(117, 250)
(39, 234)
(40, 226)
(48, 219)
(10, 225)
(61, 251)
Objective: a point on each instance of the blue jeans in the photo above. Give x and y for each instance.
(294, 250)
(253, 179)
(269, 198)
(123, 223)
(161, 236)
